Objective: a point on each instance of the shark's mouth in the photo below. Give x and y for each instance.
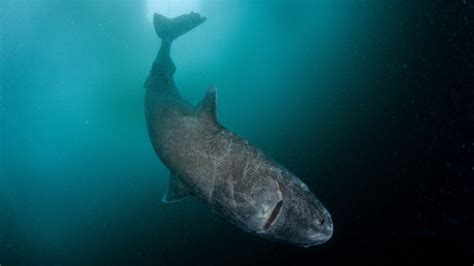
(273, 217)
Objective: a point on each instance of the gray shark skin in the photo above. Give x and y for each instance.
(207, 161)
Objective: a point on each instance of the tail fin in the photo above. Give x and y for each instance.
(169, 29)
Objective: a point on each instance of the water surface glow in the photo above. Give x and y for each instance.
(171, 8)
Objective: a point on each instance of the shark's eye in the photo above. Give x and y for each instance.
(272, 219)
(322, 222)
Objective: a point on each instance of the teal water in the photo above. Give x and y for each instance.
(328, 88)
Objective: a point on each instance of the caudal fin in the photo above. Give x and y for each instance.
(169, 29)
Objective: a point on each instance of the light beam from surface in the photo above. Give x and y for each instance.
(171, 8)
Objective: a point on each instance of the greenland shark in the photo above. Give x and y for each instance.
(235, 179)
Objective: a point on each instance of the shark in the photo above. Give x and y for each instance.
(236, 180)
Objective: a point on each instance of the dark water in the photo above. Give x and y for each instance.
(370, 102)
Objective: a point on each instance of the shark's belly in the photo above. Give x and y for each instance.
(164, 124)
(224, 171)
(219, 168)
(190, 150)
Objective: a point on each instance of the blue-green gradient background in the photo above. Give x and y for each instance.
(369, 102)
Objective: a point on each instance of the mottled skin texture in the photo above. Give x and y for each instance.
(235, 179)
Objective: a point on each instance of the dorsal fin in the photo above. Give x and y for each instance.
(207, 108)
(176, 190)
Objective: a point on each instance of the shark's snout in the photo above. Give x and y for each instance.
(322, 230)
(299, 219)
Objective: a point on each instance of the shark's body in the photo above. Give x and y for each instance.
(235, 179)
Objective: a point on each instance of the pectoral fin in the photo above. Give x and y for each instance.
(176, 190)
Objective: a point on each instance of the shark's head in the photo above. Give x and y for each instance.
(297, 218)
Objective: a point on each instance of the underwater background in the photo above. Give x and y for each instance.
(370, 103)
